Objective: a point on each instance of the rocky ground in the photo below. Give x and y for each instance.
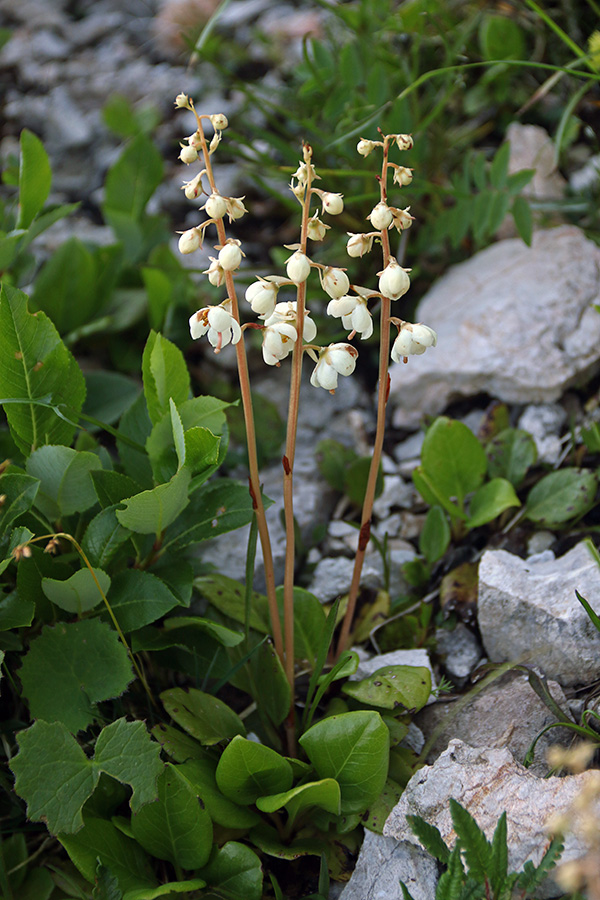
(515, 324)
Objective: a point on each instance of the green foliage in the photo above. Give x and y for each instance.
(345, 470)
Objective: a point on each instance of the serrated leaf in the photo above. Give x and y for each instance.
(561, 496)
(99, 839)
(176, 827)
(36, 365)
(473, 842)
(125, 751)
(138, 598)
(165, 376)
(352, 748)
(70, 668)
(35, 178)
(498, 864)
(19, 492)
(235, 873)
(151, 512)
(103, 537)
(490, 500)
(393, 687)
(204, 716)
(248, 770)
(65, 479)
(107, 885)
(79, 593)
(113, 487)
(430, 837)
(214, 509)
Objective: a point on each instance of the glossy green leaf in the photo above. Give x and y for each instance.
(79, 593)
(99, 839)
(109, 394)
(453, 459)
(176, 827)
(15, 611)
(170, 887)
(378, 812)
(490, 500)
(309, 623)
(398, 688)
(433, 495)
(248, 770)
(561, 496)
(65, 288)
(510, 454)
(352, 748)
(235, 873)
(205, 717)
(135, 424)
(324, 794)
(176, 744)
(55, 777)
(35, 178)
(103, 537)
(214, 509)
(131, 181)
(138, 598)
(269, 841)
(19, 493)
(36, 365)
(227, 596)
(434, 539)
(113, 487)
(263, 678)
(152, 511)
(201, 775)
(107, 885)
(70, 668)
(165, 375)
(65, 479)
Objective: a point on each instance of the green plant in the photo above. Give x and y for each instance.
(476, 867)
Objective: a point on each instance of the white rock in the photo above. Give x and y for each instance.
(488, 782)
(531, 147)
(514, 321)
(529, 612)
(383, 863)
(544, 422)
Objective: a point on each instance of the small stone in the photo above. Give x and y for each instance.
(460, 650)
(544, 423)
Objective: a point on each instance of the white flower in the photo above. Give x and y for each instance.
(215, 272)
(334, 282)
(316, 229)
(262, 296)
(381, 216)
(194, 187)
(287, 312)
(354, 314)
(182, 101)
(216, 207)
(235, 208)
(188, 154)
(298, 267)
(402, 176)
(332, 203)
(365, 147)
(222, 328)
(219, 121)
(404, 141)
(230, 255)
(278, 340)
(413, 339)
(393, 280)
(402, 218)
(358, 244)
(190, 240)
(337, 359)
(301, 173)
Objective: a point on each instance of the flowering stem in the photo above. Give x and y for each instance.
(382, 398)
(244, 379)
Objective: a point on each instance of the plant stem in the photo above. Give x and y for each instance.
(382, 398)
(244, 380)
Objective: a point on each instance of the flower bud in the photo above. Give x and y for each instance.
(359, 244)
(394, 280)
(332, 203)
(219, 121)
(188, 154)
(298, 267)
(404, 141)
(402, 218)
(214, 143)
(365, 147)
(190, 240)
(195, 140)
(235, 208)
(334, 282)
(182, 101)
(216, 206)
(381, 216)
(215, 272)
(230, 255)
(316, 229)
(262, 297)
(402, 176)
(193, 188)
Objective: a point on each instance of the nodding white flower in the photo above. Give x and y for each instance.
(402, 176)
(413, 339)
(235, 208)
(190, 240)
(365, 147)
(182, 101)
(192, 188)
(214, 142)
(404, 141)
(219, 121)
(334, 282)
(332, 203)
(298, 267)
(262, 297)
(393, 280)
(317, 229)
(278, 340)
(337, 359)
(230, 255)
(381, 216)
(188, 154)
(354, 314)
(301, 173)
(287, 311)
(359, 244)
(402, 218)
(215, 207)
(215, 272)
(222, 328)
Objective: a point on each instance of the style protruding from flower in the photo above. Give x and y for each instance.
(218, 322)
(334, 360)
(354, 314)
(412, 340)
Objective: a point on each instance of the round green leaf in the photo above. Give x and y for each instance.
(510, 454)
(205, 717)
(352, 748)
(435, 536)
(248, 770)
(561, 496)
(453, 459)
(79, 593)
(324, 794)
(138, 598)
(201, 775)
(501, 38)
(393, 687)
(490, 500)
(235, 873)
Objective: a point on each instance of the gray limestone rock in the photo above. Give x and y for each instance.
(460, 650)
(528, 611)
(544, 422)
(487, 782)
(383, 863)
(516, 322)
